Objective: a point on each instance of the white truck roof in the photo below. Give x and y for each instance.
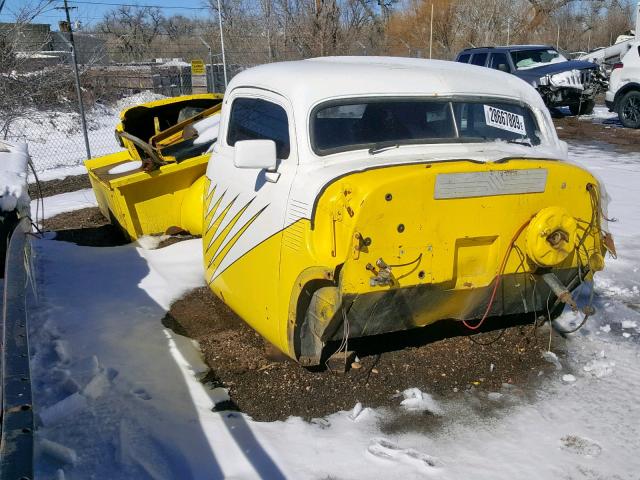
(307, 82)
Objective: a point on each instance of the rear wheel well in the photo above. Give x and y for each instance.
(623, 91)
(304, 299)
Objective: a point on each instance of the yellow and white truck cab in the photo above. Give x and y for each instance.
(357, 196)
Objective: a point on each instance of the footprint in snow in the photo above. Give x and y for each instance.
(387, 450)
(580, 446)
(141, 393)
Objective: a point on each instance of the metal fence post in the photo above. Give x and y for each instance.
(78, 89)
(210, 63)
(224, 58)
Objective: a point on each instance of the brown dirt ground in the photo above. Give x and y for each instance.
(439, 359)
(55, 187)
(574, 129)
(85, 227)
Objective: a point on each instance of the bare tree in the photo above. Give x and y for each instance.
(132, 30)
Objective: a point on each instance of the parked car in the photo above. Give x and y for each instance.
(623, 95)
(348, 197)
(560, 82)
(353, 196)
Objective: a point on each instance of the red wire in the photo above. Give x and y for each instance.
(498, 279)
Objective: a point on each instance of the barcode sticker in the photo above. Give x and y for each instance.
(504, 120)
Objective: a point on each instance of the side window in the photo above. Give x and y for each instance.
(499, 62)
(464, 58)
(257, 119)
(479, 59)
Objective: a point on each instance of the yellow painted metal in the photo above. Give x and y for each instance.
(146, 203)
(551, 221)
(454, 246)
(127, 144)
(192, 205)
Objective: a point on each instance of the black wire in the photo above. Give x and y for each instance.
(39, 188)
(406, 264)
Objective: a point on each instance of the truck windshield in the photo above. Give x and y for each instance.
(372, 123)
(525, 59)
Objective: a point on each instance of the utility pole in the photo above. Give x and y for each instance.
(431, 33)
(213, 87)
(75, 71)
(224, 59)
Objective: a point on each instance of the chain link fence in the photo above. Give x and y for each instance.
(52, 126)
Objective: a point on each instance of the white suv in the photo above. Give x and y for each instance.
(623, 95)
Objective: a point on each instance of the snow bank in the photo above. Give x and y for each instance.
(14, 158)
(55, 137)
(65, 202)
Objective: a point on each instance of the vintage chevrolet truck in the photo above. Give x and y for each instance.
(353, 196)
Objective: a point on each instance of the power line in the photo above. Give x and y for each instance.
(113, 4)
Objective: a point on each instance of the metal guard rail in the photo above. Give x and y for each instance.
(17, 437)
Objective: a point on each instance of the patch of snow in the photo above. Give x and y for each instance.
(207, 129)
(176, 63)
(63, 409)
(56, 451)
(151, 242)
(599, 368)
(125, 167)
(553, 359)
(59, 173)
(629, 324)
(65, 202)
(14, 194)
(568, 378)
(417, 400)
(144, 96)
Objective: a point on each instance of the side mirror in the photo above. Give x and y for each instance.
(258, 154)
(503, 67)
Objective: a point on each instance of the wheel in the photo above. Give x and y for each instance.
(584, 108)
(629, 109)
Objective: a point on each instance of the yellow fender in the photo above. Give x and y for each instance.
(551, 236)
(191, 211)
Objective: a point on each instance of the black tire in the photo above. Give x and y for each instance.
(629, 109)
(584, 108)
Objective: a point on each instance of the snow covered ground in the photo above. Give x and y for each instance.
(118, 395)
(55, 138)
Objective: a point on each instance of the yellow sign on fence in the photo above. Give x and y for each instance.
(197, 67)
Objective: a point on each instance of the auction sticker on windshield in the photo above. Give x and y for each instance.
(504, 120)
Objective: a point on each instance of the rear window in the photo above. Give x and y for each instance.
(479, 59)
(464, 58)
(257, 119)
(358, 124)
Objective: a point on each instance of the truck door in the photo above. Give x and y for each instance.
(245, 207)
